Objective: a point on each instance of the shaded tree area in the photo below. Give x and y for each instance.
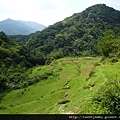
(109, 46)
(16, 62)
(21, 39)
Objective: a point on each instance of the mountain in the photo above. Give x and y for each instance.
(67, 85)
(16, 27)
(79, 34)
(93, 32)
(36, 26)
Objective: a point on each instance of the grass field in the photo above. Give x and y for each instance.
(68, 88)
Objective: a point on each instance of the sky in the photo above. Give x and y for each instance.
(47, 12)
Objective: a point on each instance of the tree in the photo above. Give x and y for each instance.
(3, 79)
(109, 47)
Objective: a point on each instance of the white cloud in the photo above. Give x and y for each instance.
(44, 11)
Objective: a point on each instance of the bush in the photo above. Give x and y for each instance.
(91, 74)
(113, 60)
(2, 107)
(108, 97)
(36, 78)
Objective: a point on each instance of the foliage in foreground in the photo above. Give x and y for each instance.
(107, 99)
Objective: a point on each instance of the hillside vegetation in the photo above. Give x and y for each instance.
(66, 68)
(71, 85)
(79, 34)
(16, 62)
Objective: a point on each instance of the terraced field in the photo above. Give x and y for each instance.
(68, 88)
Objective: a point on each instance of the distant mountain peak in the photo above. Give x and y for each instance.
(9, 19)
(16, 27)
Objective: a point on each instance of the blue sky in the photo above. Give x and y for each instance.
(47, 12)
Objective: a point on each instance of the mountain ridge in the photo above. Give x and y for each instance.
(78, 35)
(17, 27)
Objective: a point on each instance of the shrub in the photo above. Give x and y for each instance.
(113, 60)
(2, 107)
(108, 97)
(91, 74)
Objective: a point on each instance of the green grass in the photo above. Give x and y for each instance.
(44, 96)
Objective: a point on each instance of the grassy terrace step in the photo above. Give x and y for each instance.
(72, 81)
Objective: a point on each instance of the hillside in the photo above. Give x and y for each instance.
(79, 34)
(15, 62)
(17, 27)
(69, 67)
(69, 86)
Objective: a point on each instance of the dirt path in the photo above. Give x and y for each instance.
(70, 112)
(61, 109)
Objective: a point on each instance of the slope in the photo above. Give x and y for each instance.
(47, 93)
(79, 34)
(15, 60)
(68, 85)
(69, 88)
(35, 25)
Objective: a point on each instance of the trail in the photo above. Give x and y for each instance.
(61, 109)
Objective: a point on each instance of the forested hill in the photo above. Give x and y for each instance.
(79, 34)
(15, 60)
(95, 31)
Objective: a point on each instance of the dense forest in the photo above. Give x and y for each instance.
(77, 35)
(15, 59)
(93, 32)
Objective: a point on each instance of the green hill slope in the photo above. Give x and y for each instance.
(15, 63)
(79, 34)
(33, 81)
(69, 87)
